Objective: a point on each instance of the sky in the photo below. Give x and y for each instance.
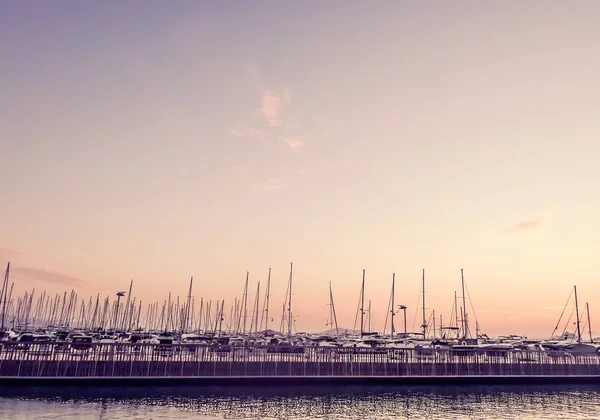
(156, 141)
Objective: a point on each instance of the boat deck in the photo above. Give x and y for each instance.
(145, 363)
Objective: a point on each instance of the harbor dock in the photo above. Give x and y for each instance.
(148, 363)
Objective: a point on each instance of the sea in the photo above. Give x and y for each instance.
(339, 402)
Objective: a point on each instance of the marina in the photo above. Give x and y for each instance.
(73, 340)
(97, 362)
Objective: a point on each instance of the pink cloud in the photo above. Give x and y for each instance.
(44, 275)
(7, 254)
(294, 142)
(269, 184)
(525, 226)
(272, 104)
(251, 133)
(302, 171)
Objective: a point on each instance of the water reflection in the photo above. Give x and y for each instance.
(492, 402)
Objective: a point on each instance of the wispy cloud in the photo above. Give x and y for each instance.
(272, 104)
(302, 171)
(30, 273)
(269, 184)
(240, 168)
(6, 254)
(294, 142)
(250, 133)
(525, 226)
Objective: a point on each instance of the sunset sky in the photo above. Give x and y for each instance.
(158, 140)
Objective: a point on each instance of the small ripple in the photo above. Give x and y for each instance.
(364, 403)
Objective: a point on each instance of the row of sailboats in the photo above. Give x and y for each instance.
(248, 323)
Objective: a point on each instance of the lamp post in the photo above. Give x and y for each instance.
(403, 308)
(116, 321)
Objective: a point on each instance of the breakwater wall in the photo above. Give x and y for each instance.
(153, 361)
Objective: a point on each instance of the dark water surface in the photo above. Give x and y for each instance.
(364, 403)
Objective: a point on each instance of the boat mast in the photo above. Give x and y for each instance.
(465, 321)
(126, 313)
(244, 312)
(424, 326)
(393, 313)
(267, 300)
(221, 317)
(184, 327)
(290, 303)
(256, 307)
(334, 318)
(362, 304)
(587, 307)
(5, 294)
(330, 321)
(577, 310)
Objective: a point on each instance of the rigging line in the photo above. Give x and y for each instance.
(417, 308)
(451, 322)
(358, 309)
(568, 322)
(471, 302)
(387, 314)
(584, 327)
(562, 313)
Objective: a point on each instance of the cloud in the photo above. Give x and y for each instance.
(47, 276)
(250, 133)
(6, 254)
(302, 171)
(525, 226)
(294, 142)
(270, 184)
(272, 104)
(241, 168)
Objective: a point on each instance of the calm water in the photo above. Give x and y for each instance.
(532, 402)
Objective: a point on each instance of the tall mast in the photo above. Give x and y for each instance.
(587, 306)
(465, 320)
(267, 300)
(5, 294)
(456, 310)
(362, 304)
(256, 309)
(330, 322)
(577, 310)
(187, 310)
(290, 322)
(393, 313)
(221, 317)
(337, 331)
(245, 304)
(127, 306)
(424, 326)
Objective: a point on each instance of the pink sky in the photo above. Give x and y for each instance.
(206, 140)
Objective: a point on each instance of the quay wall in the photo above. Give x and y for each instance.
(189, 362)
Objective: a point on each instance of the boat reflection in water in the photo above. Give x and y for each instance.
(531, 402)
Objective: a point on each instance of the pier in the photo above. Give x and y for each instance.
(211, 364)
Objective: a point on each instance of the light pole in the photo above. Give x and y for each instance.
(116, 321)
(403, 308)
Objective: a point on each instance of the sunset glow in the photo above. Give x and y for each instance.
(208, 139)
